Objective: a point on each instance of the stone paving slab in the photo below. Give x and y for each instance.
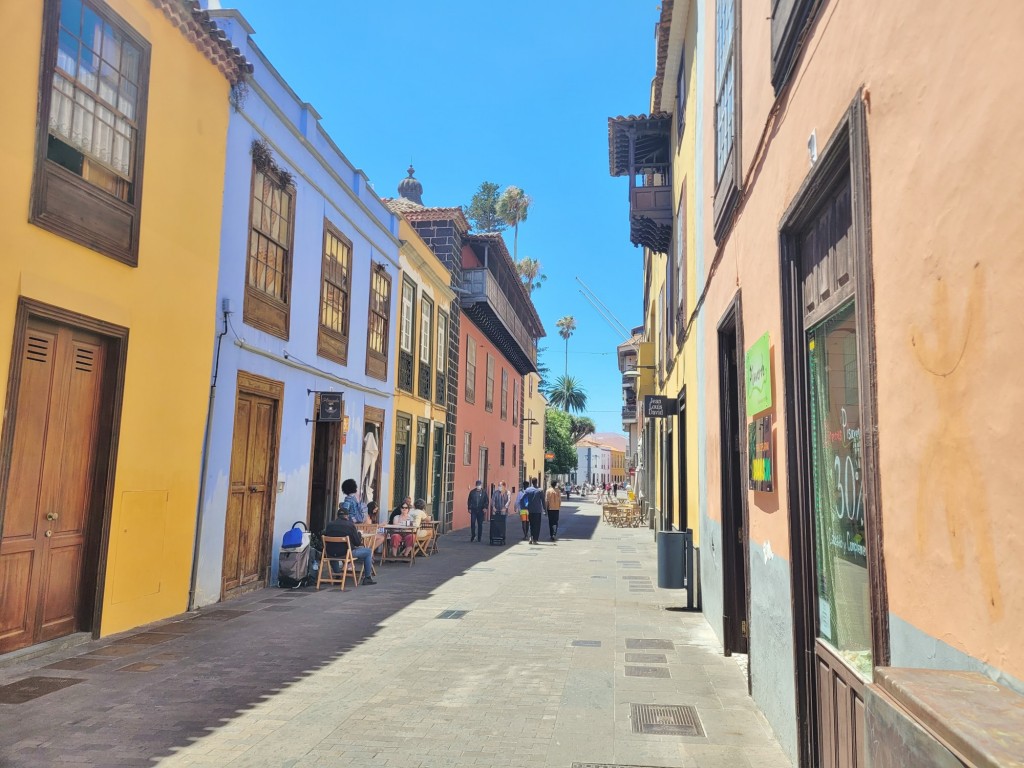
(533, 673)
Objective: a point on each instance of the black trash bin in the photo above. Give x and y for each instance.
(671, 559)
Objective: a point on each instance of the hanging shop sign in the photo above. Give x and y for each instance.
(759, 376)
(658, 407)
(759, 434)
(327, 406)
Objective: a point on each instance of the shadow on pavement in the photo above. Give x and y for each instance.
(147, 694)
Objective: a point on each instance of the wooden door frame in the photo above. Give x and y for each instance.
(333, 427)
(261, 386)
(846, 151)
(117, 338)
(731, 322)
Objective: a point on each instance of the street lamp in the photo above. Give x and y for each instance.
(634, 373)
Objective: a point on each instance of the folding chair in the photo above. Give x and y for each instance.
(424, 537)
(436, 525)
(346, 562)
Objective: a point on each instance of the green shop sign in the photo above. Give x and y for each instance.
(759, 376)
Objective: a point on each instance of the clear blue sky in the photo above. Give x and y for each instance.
(514, 93)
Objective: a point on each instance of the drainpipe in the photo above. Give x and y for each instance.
(204, 460)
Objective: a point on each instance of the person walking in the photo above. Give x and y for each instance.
(477, 504)
(524, 515)
(535, 510)
(553, 501)
(499, 500)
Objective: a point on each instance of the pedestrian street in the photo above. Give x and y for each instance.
(549, 655)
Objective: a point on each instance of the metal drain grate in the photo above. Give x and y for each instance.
(609, 765)
(451, 614)
(587, 643)
(659, 672)
(33, 687)
(637, 578)
(648, 644)
(666, 720)
(646, 658)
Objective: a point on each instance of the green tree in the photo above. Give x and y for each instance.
(482, 210)
(529, 273)
(568, 394)
(580, 427)
(566, 327)
(558, 441)
(513, 207)
(543, 372)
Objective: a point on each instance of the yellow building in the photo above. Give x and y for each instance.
(658, 152)
(107, 306)
(534, 408)
(421, 346)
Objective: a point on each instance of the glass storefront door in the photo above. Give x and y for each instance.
(844, 607)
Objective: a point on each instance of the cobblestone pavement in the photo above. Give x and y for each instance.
(556, 647)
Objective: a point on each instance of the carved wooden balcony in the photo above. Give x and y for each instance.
(640, 147)
(491, 310)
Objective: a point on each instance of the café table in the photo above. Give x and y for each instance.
(387, 555)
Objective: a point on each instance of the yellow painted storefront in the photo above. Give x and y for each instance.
(166, 304)
(430, 279)
(675, 359)
(534, 406)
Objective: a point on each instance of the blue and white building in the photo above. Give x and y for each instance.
(303, 374)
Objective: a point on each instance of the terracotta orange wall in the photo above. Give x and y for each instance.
(487, 428)
(944, 117)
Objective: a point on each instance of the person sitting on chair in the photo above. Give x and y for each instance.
(403, 518)
(421, 519)
(371, 512)
(343, 526)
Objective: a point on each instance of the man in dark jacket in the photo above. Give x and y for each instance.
(343, 526)
(535, 509)
(477, 504)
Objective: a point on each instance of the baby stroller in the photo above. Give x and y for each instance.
(299, 560)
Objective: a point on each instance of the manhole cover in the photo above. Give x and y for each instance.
(451, 614)
(587, 643)
(77, 664)
(33, 687)
(646, 658)
(661, 672)
(146, 638)
(666, 720)
(649, 645)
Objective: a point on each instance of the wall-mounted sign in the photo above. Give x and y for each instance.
(759, 376)
(329, 406)
(658, 407)
(759, 434)
(549, 456)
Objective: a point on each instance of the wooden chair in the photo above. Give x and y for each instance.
(424, 538)
(436, 525)
(347, 563)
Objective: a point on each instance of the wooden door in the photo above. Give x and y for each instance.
(438, 469)
(734, 535)
(325, 474)
(422, 445)
(246, 534)
(54, 495)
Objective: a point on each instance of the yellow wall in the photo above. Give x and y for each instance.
(167, 302)
(431, 278)
(684, 361)
(533, 453)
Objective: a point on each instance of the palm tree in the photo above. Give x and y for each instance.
(566, 327)
(529, 273)
(568, 395)
(513, 207)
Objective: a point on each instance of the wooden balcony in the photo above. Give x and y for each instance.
(490, 309)
(640, 147)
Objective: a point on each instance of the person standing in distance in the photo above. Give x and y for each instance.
(477, 504)
(535, 510)
(553, 501)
